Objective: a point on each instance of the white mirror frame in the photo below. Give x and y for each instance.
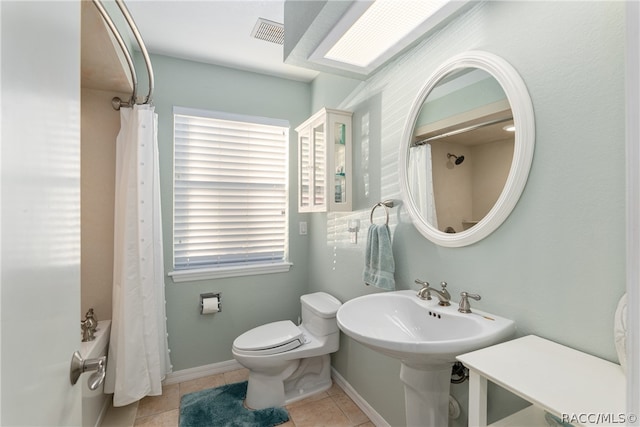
(523, 118)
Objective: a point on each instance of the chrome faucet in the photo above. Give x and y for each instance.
(444, 296)
(425, 292)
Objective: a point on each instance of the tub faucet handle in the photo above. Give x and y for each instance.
(91, 320)
(87, 331)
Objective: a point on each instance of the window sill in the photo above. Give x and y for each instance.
(221, 272)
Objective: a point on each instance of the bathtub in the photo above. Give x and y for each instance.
(94, 402)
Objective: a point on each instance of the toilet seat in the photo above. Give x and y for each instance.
(272, 338)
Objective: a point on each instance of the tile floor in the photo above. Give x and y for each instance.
(332, 408)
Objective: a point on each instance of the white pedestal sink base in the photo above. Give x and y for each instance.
(426, 393)
(426, 338)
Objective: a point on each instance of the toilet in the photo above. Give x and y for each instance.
(287, 362)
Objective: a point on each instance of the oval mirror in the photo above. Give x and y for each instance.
(467, 149)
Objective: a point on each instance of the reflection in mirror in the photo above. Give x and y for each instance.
(462, 165)
(461, 151)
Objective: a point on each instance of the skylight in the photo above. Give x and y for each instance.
(381, 26)
(373, 31)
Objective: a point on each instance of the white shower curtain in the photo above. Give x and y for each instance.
(138, 357)
(421, 182)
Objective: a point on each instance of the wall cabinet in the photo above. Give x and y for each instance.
(324, 162)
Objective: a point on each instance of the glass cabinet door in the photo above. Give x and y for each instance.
(340, 162)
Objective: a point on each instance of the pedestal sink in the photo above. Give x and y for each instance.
(426, 338)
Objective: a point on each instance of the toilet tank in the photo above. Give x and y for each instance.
(319, 313)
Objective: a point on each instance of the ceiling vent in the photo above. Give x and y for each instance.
(269, 31)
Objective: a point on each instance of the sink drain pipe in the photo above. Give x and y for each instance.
(459, 373)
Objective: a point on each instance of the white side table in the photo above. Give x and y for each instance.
(585, 389)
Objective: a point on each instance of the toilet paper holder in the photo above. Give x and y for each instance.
(211, 295)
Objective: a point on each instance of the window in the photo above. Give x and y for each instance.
(230, 195)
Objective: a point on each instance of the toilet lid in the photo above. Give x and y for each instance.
(276, 337)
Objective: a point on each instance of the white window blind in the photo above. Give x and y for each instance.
(230, 190)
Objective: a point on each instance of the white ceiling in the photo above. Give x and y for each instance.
(216, 32)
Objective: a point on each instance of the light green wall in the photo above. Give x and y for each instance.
(247, 302)
(557, 264)
(329, 90)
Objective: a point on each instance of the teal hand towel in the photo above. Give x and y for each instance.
(379, 266)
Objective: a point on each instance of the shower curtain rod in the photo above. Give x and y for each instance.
(117, 102)
(461, 130)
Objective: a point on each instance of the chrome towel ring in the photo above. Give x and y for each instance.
(386, 205)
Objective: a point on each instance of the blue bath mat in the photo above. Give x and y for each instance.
(223, 407)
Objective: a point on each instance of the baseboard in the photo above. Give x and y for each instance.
(374, 416)
(201, 371)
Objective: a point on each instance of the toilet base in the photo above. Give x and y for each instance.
(312, 376)
(300, 380)
(267, 391)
